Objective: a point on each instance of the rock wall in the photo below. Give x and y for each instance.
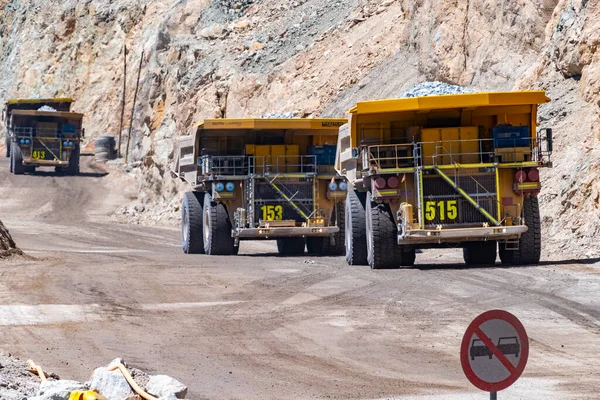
(240, 58)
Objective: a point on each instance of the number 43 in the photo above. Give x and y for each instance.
(448, 210)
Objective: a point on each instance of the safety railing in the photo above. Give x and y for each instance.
(448, 152)
(379, 158)
(385, 157)
(223, 165)
(24, 132)
(262, 165)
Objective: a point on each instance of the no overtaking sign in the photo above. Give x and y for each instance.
(494, 350)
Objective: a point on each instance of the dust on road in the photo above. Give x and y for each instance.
(261, 326)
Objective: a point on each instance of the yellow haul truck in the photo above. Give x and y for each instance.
(444, 171)
(258, 179)
(42, 133)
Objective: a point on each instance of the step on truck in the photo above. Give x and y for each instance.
(262, 179)
(444, 172)
(42, 133)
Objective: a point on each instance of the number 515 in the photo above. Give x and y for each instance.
(447, 210)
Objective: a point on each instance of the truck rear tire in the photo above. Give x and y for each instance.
(192, 235)
(382, 235)
(293, 246)
(316, 245)
(406, 257)
(480, 253)
(16, 160)
(217, 228)
(336, 245)
(530, 244)
(73, 168)
(7, 141)
(355, 228)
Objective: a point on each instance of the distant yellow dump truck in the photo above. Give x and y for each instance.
(443, 172)
(42, 133)
(258, 179)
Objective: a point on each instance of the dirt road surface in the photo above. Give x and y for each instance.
(258, 326)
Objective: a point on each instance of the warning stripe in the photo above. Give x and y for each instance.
(499, 355)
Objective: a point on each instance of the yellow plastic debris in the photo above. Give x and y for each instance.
(87, 395)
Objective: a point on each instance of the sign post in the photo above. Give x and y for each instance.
(494, 351)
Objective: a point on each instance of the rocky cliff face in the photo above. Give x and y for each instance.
(234, 58)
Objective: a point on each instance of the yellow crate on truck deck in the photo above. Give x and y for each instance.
(258, 179)
(453, 170)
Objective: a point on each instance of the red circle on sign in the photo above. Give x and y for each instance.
(464, 350)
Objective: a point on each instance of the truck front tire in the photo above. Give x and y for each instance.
(382, 235)
(192, 235)
(355, 228)
(7, 141)
(217, 228)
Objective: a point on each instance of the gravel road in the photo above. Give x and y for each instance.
(258, 326)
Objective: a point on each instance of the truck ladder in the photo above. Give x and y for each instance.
(466, 196)
(288, 192)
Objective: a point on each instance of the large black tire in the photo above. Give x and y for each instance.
(335, 244)
(480, 253)
(16, 160)
(316, 245)
(382, 235)
(406, 256)
(530, 244)
(293, 246)
(73, 168)
(192, 235)
(355, 231)
(217, 228)
(7, 141)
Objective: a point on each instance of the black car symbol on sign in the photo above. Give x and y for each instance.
(509, 345)
(478, 349)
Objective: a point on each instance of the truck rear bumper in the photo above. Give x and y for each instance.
(271, 233)
(457, 235)
(44, 163)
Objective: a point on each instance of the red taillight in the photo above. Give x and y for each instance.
(392, 182)
(520, 176)
(380, 183)
(533, 175)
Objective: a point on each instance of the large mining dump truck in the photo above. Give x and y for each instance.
(269, 179)
(444, 172)
(42, 133)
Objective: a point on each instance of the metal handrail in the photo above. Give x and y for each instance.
(377, 161)
(45, 133)
(264, 165)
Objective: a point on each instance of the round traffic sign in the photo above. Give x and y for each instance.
(494, 350)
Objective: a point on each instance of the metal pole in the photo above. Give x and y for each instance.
(133, 107)
(493, 395)
(123, 99)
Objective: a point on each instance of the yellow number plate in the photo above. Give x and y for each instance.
(38, 154)
(272, 213)
(443, 210)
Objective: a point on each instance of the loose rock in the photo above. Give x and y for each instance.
(162, 385)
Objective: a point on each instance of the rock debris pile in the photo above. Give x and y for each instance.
(436, 89)
(7, 244)
(235, 7)
(18, 382)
